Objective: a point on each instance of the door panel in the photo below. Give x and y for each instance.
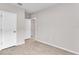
(0, 29)
(8, 29)
(28, 28)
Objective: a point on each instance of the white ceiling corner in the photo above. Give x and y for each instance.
(34, 7)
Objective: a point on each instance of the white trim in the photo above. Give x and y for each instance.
(0, 49)
(20, 43)
(27, 38)
(15, 45)
(59, 47)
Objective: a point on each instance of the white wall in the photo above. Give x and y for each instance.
(20, 20)
(59, 25)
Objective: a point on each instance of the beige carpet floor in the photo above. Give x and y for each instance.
(32, 47)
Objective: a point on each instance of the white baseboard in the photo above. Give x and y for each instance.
(20, 43)
(59, 47)
(0, 49)
(27, 38)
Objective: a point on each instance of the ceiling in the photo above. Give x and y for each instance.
(34, 7)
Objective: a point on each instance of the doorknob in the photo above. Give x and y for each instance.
(14, 31)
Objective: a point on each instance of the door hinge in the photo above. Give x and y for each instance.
(1, 15)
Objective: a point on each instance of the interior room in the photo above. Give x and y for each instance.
(39, 28)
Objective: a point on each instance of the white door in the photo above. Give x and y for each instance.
(28, 28)
(0, 29)
(8, 29)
